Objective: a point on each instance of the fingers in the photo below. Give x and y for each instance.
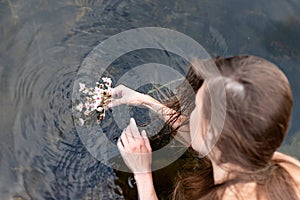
(117, 91)
(124, 95)
(120, 95)
(146, 141)
(117, 94)
(134, 129)
(114, 102)
(123, 142)
(132, 141)
(120, 145)
(127, 139)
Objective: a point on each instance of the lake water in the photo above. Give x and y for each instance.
(42, 46)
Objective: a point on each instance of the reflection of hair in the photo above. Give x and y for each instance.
(258, 109)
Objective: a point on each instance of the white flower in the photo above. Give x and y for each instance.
(104, 79)
(81, 121)
(79, 107)
(108, 84)
(100, 109)
(98, 90)
(87, 105)
(81, 87)
(95, 105)
(85, 91)
(97, 97)
(107, 81)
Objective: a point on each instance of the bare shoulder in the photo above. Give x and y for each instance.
(292, 165)
(240, 191)
(281, 156)
(248, 190)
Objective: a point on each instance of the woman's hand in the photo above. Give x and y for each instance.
(135, 149)
(137, 154)
(124, 95)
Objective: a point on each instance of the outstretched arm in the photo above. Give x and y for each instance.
(124, 95)
(137, 154)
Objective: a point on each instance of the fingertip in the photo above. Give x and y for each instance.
(119, 144)
(109, 105)
(146, 140)
(132, 122)
(113, 91)
(144, 134)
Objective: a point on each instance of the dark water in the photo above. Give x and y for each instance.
(42, 45)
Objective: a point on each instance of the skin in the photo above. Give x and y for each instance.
(124, 95)
(136, 151)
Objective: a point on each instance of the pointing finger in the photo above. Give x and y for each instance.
(120, 145)
(146, 140)
(134, 129)
(125, 139)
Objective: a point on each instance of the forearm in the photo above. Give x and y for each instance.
(145, 186)
(123, 95)
(165, 112)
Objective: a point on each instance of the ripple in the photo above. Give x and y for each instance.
(42, 48)
(47, 147)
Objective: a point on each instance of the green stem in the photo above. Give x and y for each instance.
(162, 86)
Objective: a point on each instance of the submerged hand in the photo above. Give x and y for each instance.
(135, 149)
(124, 95)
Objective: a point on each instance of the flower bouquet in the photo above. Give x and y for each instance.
(95, 100)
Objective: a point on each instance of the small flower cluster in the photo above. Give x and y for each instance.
(96, 99)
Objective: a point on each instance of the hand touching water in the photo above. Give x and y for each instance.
(135, 149)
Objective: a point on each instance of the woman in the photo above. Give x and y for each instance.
(244, 160)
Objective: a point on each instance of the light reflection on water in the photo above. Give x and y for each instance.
(42, 46)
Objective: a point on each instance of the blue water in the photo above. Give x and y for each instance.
(42, 46)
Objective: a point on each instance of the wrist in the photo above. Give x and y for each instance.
(145, 186)
(143, 177)
(150, 102)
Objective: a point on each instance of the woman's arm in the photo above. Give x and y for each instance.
(124, 95)
(145, 186)
(137, 154)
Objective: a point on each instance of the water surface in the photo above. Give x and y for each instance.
(42, 46)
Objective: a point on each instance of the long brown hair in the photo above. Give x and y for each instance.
(256, 123)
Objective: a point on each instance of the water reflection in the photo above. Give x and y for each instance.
(42, 46)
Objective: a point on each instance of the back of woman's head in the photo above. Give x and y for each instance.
(258, 110)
